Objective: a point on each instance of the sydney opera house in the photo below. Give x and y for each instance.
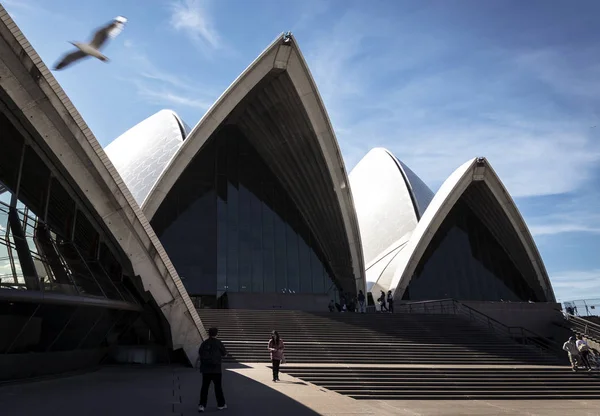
(115, 249)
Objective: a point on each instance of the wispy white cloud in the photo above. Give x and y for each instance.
(562, 228)
(192, 18)
(163, 96)
(163, 87)
(576, 284)
(572, 214)
(435, 108)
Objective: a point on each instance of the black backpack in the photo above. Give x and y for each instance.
(209, 353)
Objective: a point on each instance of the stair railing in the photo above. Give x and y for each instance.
(454, 307)
(583, 327)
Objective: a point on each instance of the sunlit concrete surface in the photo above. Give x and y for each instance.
(248, 391)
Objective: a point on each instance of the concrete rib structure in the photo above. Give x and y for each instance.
(276, 105)
(142, 152)
(476, 184)
(51, 122)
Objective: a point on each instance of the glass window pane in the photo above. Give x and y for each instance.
(79, 271)
(34, 182)
(268, 241)
(305, 268)
(10, 156)
(103, 279)
(232, 238)
(46, 325)
(245, 240)
(96, 336)
(257, 247)
(293, 266)
(280, 246)
(13, 318)
(317, 273)
(222, 233)
(77, 329)
(466, 262)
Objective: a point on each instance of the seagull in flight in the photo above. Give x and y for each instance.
(93, 48)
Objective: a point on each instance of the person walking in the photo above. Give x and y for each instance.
(584, 351)
(390, 299)
(361, 302)
(571, 348)
(211, 355)
(382, 301)
(276, 347)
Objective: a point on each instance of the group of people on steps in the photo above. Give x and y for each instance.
(580, 353)
(390, 302)
(386, 303)
(210, 358)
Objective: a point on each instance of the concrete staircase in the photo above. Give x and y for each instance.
(401, 356)
(452, 383)
(351, 338)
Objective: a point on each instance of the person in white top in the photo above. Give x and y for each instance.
(571, 348)
(584, 351)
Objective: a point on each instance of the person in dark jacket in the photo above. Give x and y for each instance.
(211, 355)
(361, 301)
(390, 300)
(382, 301)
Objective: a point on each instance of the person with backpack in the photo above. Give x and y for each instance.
(211, 354)
(276, 347)
(584, 351)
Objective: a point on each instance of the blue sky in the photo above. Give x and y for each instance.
(436, 82)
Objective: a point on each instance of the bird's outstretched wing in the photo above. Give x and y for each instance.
(69, 58)
(110, 30)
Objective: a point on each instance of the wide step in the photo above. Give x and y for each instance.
(368, 344)
(451, 383)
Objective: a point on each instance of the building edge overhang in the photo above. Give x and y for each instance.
(32, 87)
(476, 169)
(407, 183)
(282, 54)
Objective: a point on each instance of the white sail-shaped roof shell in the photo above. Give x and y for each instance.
(475, 170)
(389, 199)
(299, 147)
(142, 152)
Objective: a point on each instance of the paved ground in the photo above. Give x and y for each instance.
(249, 390)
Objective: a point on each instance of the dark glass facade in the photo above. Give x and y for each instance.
(464, 261)
(229, 226)
(47, 242)
(64, 285)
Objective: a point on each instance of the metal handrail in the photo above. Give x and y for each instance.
(583, 326)
(452, 306)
